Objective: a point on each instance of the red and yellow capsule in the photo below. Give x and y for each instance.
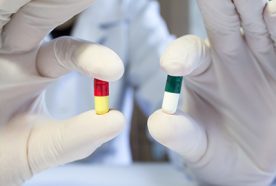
(101, 96)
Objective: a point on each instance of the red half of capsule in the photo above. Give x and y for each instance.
(101, 88)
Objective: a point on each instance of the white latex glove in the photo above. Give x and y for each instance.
(228, 131)
(28, 142)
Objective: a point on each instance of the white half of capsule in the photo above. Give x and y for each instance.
(170, 102)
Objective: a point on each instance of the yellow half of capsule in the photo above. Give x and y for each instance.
(101, 104)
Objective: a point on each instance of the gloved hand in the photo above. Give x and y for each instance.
(30, 143)
(227, 131)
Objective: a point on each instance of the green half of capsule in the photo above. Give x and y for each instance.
(174, 84)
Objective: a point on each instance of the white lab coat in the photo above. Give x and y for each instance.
(135, 31)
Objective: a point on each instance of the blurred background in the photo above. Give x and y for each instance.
(182, 17)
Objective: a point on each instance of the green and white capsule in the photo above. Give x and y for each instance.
(172, 93)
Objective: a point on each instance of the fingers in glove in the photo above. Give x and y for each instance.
(36, 19)
(187, 56)
(53, 143)
(270, 20)
(66, 54)
(13, 142)
(253, 24)
(179, 133)
(222, 24)
(8, 8)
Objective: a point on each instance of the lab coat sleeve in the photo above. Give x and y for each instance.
(148, 37)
